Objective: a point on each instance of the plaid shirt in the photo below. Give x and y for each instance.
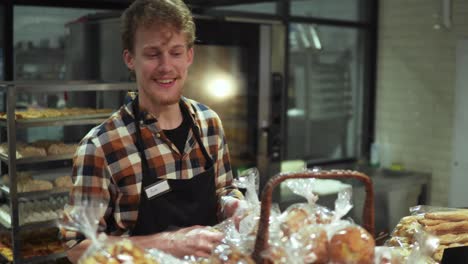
(107, 165)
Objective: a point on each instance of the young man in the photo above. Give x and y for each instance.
(160, 163)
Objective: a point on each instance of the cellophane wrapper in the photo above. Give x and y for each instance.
(243, 237)
(303, 229)
(85, 220)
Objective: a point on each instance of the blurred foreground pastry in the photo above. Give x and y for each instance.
(295, 218)
(315, 241)
(226, 254)
(121, 252)
(352, 245)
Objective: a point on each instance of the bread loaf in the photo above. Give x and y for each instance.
(61, 149)
(63, 182)
(458, 215)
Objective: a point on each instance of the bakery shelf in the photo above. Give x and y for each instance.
(36, 194)
(29, 226)
(38, 225)
(11, 124)
(29, 160)
(36, 259)
(59, 121)
(43, 259)
(69, 86)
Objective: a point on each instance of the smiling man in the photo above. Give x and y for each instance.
(161, 163)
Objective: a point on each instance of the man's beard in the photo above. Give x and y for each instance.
(166, 100)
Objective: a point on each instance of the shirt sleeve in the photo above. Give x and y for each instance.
(223, 171)
(91, 183)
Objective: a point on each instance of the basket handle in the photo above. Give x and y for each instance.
(261, 242)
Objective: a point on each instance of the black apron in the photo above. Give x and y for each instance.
(189, 202)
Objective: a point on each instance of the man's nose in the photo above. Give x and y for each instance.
(164, 63)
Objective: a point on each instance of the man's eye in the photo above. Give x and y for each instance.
(177, 54)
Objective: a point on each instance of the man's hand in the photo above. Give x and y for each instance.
(198, 241)
(234, 208)
(230, 206)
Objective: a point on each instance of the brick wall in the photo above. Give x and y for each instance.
(415, 87)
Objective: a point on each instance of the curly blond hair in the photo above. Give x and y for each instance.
(174, 13)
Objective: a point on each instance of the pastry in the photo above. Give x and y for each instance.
(430, 222)
(35, 185)
(315, 241)
(61, 149)
(458, 215)
(45, 144)
(453, 238)
(30, 151)
(352, 245)
(20, 177)
(322, 215)
(448, 227)
(407, 226)
(63, 182)
(294, 218)
(123, 251)
(276, 255)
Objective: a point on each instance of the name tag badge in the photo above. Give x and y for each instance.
(156, 189)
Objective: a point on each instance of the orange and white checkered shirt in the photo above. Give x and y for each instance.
(107, 165)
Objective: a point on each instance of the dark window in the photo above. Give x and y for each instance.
(40, 39)
(326, 82)
(262, 8)
(2, 33)
(352, 10)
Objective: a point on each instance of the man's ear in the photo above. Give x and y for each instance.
(190, 54)
(128, 59)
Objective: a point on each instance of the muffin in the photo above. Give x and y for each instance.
(351, 245)
(315, 241)
(294, 219)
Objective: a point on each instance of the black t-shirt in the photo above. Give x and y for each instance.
(178, 135)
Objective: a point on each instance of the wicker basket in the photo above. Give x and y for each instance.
(261, 242)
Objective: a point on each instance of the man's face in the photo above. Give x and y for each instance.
(160, 60)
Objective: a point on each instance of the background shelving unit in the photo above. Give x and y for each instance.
(11, 124)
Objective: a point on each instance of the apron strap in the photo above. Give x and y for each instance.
(139, 140)
(196, 131)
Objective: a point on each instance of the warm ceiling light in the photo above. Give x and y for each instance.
(221, 86)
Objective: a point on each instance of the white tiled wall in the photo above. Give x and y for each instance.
(415, 87)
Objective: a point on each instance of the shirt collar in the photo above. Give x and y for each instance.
(148, 118)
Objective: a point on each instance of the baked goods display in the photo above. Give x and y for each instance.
(449, 226)
(61, 149)
(34, 211)
(63, 182)
(23, 150)
(41, 242)
(123, 251)
(310, 233)
(34, 113)
(40, 148)
(50, 155)
(26, 183)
